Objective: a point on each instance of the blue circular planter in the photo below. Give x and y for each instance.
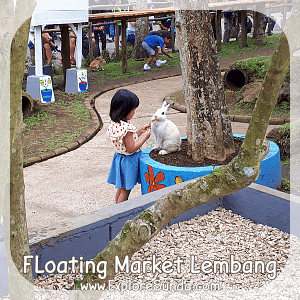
(155, 175)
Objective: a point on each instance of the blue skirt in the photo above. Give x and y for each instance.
(125, 170)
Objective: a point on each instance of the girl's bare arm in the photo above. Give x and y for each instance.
(131, 145)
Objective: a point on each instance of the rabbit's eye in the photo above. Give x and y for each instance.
(163, 113)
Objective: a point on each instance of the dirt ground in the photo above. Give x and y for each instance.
(181, 158)
(55, 124)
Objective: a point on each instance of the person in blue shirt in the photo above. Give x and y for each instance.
(150, 44)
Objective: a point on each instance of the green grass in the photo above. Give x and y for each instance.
(246, 108)
(235, 48)
(37, 119)
(241, 108)
(113, 70)
(258, 65)
(78, 110)
(58, 138)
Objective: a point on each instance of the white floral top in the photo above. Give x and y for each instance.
(117, 131)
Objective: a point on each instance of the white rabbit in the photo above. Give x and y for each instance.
(166, 133)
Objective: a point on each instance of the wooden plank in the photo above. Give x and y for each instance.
(129, 14)
(171, 10)
(236, 4)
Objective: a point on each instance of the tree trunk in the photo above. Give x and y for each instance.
(243, 28)
(218, 29)
(260, 26)
(18, 227)
(124, 47)
(65, 49)
(209, 131)
(141, 32)
(239, 173)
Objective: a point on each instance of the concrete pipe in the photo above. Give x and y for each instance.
(27, 105)
(235, 78)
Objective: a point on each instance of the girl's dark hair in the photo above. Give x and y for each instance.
(122, 103)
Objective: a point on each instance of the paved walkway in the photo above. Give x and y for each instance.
(74, 183)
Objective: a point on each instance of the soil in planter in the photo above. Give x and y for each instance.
(181, 159)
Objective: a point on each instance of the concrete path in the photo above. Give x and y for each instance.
(74, 183)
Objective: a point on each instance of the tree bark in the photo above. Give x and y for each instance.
(243, 28)
(141, 32)
(124, 48)
(90, 37)
(259, 25)
(65, 49)
(18, 227)
(209, 131)
(239, 173)
(218, 29)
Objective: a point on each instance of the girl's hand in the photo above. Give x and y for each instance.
(170, 56)
(143, 129)
(147, 133)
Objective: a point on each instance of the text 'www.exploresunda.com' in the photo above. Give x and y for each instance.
(151, 286)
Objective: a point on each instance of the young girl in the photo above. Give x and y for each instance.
(124, 172)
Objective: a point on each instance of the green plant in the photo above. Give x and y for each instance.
(282, 110)
(239, 93)
(85, 63)
(173, 98)
(245, 106)
(285, 185)
(285, 162)
(106, 56)
(285, 127)
(58, 71)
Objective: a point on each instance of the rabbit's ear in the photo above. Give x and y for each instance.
(165, 103)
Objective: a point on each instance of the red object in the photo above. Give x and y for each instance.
(153, 181)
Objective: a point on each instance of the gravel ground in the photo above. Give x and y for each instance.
(217, 236)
